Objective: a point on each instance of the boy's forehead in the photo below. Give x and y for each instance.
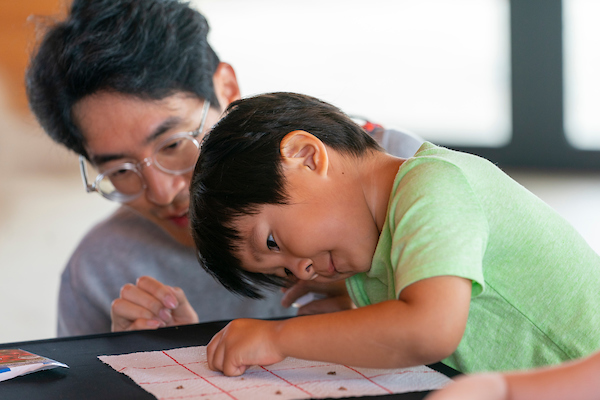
(246, 245)
(252, 230)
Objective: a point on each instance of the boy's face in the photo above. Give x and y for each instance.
(326, 231)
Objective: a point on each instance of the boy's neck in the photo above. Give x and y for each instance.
(375, 174)
(378, 185)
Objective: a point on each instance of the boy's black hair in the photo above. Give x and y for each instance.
(150, 49)
(239, 170)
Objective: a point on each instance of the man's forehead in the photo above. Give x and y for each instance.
(103, 105)
(114, 125)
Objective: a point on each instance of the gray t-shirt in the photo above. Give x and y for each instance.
(126, 246)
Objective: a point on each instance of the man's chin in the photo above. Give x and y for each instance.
(181, 233)
(185, 238)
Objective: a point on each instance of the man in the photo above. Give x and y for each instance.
(132, 86)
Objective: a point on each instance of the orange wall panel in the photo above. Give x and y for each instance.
(18, 19)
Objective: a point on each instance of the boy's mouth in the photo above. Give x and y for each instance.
(331, 270)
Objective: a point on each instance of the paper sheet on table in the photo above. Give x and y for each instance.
(183, 374)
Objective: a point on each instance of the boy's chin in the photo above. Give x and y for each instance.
(329, 279)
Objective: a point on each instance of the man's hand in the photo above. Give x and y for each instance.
(149, 304)
(242, 344)
(337, 298)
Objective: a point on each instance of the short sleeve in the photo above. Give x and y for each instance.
(437, 225)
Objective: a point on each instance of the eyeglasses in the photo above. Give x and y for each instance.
(175, 155)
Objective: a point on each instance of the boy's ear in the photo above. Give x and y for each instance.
(226, 85)
(304, 150)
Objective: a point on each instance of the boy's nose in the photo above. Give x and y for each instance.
(162, 188)
(304, 270)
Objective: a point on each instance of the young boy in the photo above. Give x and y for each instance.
(446, 257)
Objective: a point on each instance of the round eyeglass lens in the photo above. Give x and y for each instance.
(178, 154)
(125, 180)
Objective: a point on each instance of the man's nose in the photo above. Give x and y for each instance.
(161, 187)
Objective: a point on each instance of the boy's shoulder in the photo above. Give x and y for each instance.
(435, 156)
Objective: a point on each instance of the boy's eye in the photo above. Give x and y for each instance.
(288, 272)
(271, 244)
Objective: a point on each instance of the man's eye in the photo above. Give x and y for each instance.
(271, 244)
(172, 146)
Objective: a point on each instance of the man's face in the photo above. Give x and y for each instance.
(326, 232)
(120, 128)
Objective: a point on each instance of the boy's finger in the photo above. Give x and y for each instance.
(211, 351)
(230, 369)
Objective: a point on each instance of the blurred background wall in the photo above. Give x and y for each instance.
(43, 208)
(514, 81)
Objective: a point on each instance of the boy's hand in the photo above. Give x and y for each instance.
(149, 304)
(337, 297)
(242, 344)
(491, 386)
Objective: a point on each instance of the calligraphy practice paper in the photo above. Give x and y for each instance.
(183, 374)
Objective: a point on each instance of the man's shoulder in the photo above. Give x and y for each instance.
(400, 143)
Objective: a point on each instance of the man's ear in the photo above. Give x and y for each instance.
(226, 85)
(304, 150)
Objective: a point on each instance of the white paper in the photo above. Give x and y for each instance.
(183, 373)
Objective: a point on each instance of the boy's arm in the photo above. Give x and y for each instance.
(423, 326)
(576, 380)
(571, 380)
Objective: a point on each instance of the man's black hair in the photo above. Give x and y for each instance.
(150, 49)
(239, 170)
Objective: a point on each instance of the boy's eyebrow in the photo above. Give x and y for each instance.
(253, 241)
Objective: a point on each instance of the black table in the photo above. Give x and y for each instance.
(87, 374)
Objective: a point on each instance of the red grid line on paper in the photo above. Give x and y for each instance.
(299, 383)
(201, 377)
(171, 381)
(288, 382)
(370, 380)
(307, 367)
(410, 371)
(158, 366)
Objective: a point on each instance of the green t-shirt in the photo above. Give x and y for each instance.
(535, 281)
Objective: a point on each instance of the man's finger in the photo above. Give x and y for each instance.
(159, 290)
(328, 305)
(135, 295)
(293, 293)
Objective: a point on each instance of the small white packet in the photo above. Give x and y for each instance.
(17, 362)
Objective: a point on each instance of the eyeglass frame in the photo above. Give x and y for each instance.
(146, 162)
